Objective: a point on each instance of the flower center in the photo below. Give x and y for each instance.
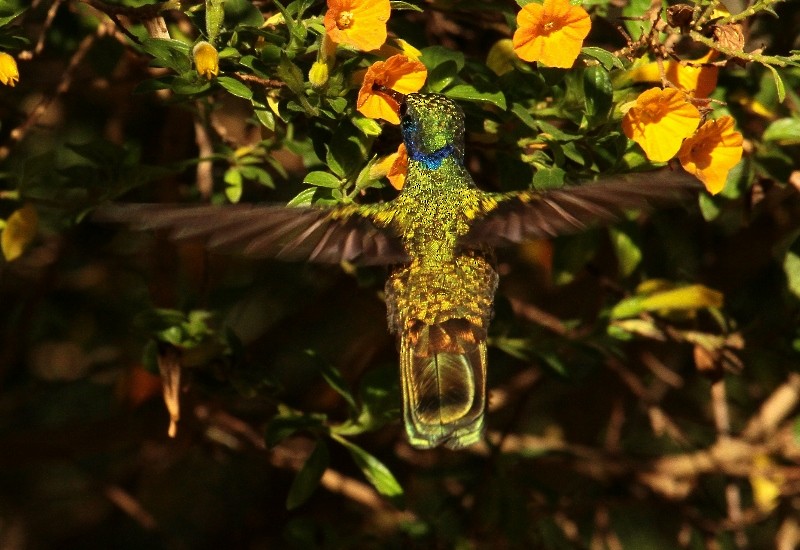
(345, 20)
(549, 27)
(652, 113)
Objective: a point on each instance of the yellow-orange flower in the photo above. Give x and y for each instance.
(659, 121)
(358, 23)
(398, 73)
(9, 74)
(399, 169)
(206, 60)
(552, 32)
(711, 153)
(694, 78)
(394, 167)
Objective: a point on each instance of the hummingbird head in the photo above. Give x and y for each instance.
(433, 128)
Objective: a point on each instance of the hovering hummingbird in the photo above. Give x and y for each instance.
(439, 234)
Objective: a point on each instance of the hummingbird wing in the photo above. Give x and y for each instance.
(355, 233)
(508, 218)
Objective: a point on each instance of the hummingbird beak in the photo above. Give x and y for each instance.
(399, 98)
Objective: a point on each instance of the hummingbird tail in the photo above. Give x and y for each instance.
(443, 370)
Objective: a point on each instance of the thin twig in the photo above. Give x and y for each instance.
(64, 85)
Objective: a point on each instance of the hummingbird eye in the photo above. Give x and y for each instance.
(403, 109)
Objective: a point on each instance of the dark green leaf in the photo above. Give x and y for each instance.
(598, 94)
(470, 93)
(307, 479)
(442, 75)
(335, 380)
(433, 56)
(549, 178)
(172, 54)
(235, 87)
(242, 12)
(281, 427)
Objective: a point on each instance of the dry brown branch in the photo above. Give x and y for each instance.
(205, 150)
(131, 506)
(774, 410)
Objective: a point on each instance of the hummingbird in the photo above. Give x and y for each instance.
(438, 235)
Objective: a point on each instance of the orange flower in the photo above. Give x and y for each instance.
(358, 23)
(398, 73)
(394, 167)
(711, 153)
(552, 32)
(659, 121)
(698, 80)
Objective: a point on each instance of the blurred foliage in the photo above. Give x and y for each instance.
(643, 379)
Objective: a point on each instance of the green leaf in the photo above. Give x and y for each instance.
(322, 179)
(628, 253)
(242, 13)
(522, 113)
(598, 93)
(171, 54)
(791, 268)
(235, 87)
(265, 117)
(708, 207)
(347, 150)
(367, 126)
(293, 77)
(284, 425)
(470, 93)
(8, 18)
(689, 297)
(374, 470)
(397, 5)
(335, 380)
(433, 56)
(607, 59)
(634, 22)
(784, 131)
(307, 479)
(303, 198)
(549, 178)
(781, 89)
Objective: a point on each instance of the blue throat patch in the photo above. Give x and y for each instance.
(433, 160)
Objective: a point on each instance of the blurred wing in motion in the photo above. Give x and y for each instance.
(328, 235)
(515, 217)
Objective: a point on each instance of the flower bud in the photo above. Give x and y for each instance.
(9, 74)
(206, 60)
(318, 75)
